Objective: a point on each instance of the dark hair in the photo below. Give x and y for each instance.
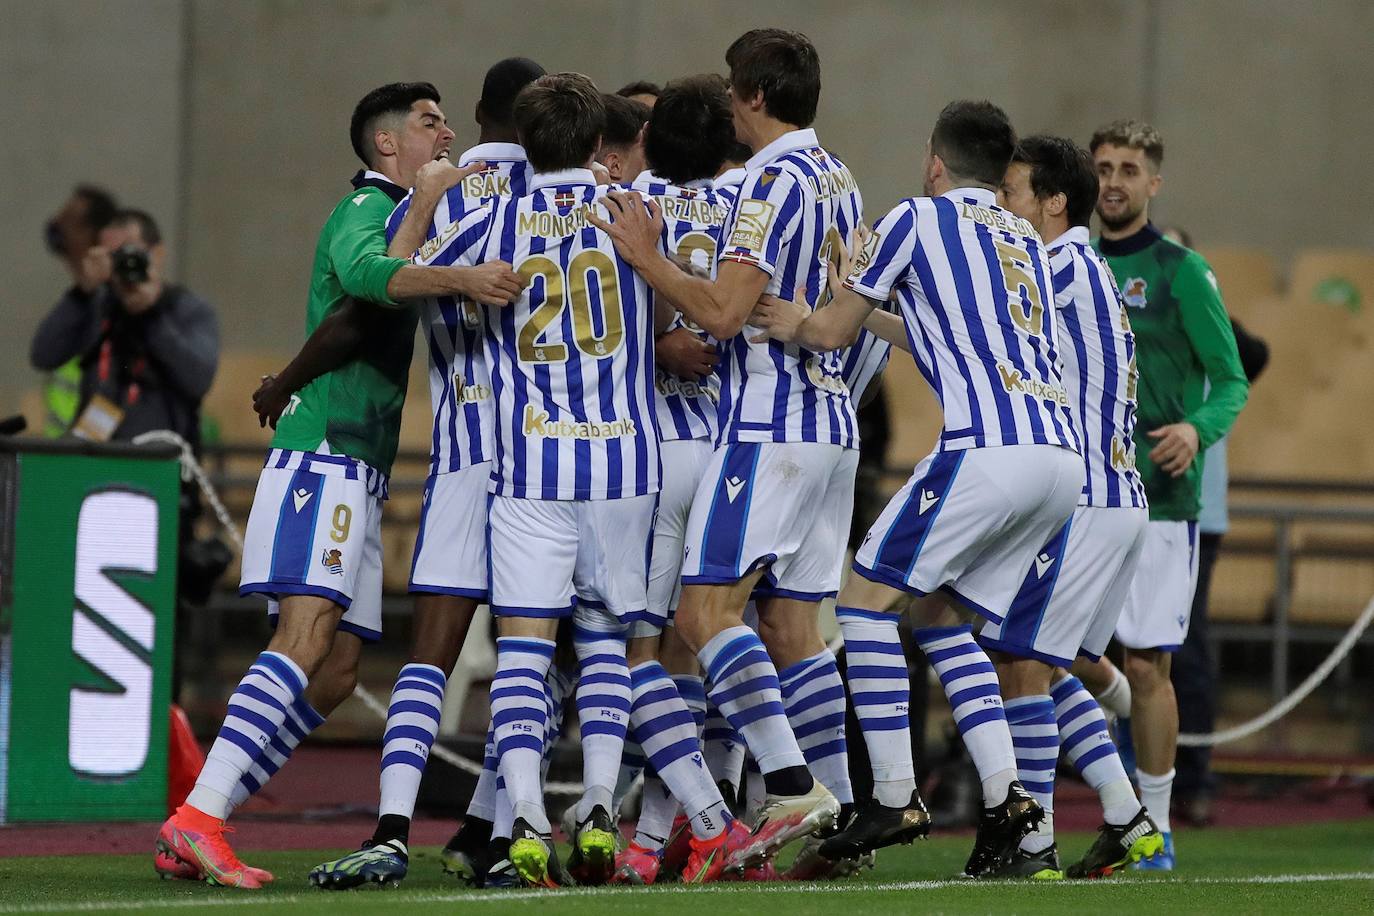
(1185, 238)
(784, 66)
(975, 140)
(100, 205)
(1132, 134)
(503, 83)
(147, 226)
(739, 152)
(391, 99)
(625, 118)
(639, 87)
(560, 118)
(1060, 166)
(691, 129)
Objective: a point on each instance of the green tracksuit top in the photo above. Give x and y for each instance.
(1185, 355)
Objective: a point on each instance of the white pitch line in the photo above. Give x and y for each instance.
(243, 898)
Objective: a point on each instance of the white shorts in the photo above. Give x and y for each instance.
(684, 463)
(784, 507)
(1160, 599)
(547, 555)
(1072, 594)
(970, 522)
(451, 545)
(315, 529)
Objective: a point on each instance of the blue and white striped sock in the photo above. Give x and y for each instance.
(631, 766)
(813, 695)
(301, 719)
(667, 731)
(256, 712)
(692, 689)
(504, 819)
(558, 687)
(880, 688)
(603, 712)
(520, 717)
(1088, 746)
(970, 683)
(1035, 738)
(723, 748)
(412, 722)
(744, 686)
(483, 802)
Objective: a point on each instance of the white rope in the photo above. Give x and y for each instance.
(191, 470)
(1286, 705)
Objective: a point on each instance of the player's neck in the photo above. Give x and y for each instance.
(1053, 229)
(496, 135)
(766, 131)
(1128, 230)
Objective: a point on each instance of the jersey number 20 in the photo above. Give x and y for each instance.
(573, 291)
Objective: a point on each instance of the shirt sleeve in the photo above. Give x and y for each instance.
(357, 247)
(454, 241)
(886, 257)
(763, 219)
(1209, 333)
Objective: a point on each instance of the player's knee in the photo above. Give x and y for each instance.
(1145, 669)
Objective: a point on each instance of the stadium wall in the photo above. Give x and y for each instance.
(228, 120)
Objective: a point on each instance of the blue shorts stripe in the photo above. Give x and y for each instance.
(728, 519)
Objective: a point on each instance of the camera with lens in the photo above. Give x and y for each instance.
(130, 264)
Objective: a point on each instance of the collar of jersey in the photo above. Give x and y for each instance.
(730, 178)
(980, 196)
(789, 142)
(367, 178)
(483, 151)
(1077, 234)
(1131, 244)
(562, 177)
(647, 178)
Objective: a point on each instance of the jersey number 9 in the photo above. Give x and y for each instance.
(572, 291)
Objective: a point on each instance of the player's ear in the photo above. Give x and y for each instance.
(385, 142)
(477, 113)
(1057, 204)
(1156, 182)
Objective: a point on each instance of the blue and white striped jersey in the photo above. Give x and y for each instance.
(572, 360)
(796, 204)
(1099, 369)
(973, 282)
(459, 381)
(861, 363)
(727, 184)
(693, 215)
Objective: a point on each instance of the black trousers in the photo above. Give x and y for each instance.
(1195, 683)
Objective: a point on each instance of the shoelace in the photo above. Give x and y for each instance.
(220, 846)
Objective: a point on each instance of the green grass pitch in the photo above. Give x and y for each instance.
(1323, 868)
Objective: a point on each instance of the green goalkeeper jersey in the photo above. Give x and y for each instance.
(1185, 355)
(355, 410)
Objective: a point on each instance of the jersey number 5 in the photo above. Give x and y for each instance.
(573, 290)
(1023, 293)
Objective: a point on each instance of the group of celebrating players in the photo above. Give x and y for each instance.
(649, 329)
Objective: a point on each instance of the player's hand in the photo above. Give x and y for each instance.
(439, 175)
(270, 401)
(779, 319)
(1175, 448)
(684, 354)
(635, 225)
(96, 269)
(493, 283)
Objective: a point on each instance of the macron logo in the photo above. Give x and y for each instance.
(928, 499)
(301, 496)
(1042, 564)
(358, 201)
(732, 487)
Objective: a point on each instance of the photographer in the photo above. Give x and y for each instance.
(147, 349)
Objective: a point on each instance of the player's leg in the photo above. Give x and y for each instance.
(526, 535)
(789, 608)
(1154, 623)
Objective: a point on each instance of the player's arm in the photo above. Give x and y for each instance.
(432, 182)
(832, 327)
(888, 327)
(721, 308)
(333, 343)
(1209, 332)
(358, 252)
